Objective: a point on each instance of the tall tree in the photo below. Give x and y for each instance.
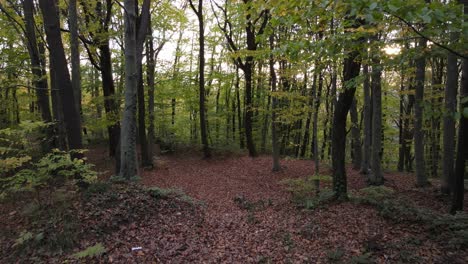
(128, 161)
(274, 136)
(462, 145)
(253, 33)
(451, 87)
(420, 63)
(37, 65)
(75, 53)
(376, 176)
(201, 77)
(99, 36)
(143, 20)
(367, 116)
(355, 136)
(351, 68)
(50, 14)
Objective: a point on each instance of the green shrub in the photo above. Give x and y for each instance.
(160, 193)
(304, 191)
(19, 145)
(323, 197)
(442, 227)
(53, 170)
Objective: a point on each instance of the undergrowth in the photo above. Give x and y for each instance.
(304, 192)
(451, 230)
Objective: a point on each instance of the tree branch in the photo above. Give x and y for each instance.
(415, 30)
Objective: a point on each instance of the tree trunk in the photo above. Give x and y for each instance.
(462, 146)
(421, 178)
(142, 29)
(274, 137)
(367, 121)
(451, 87)
(401, 127)
(239, 111)
(128, 168)
(201, 80)
(75, 53)
(345, 99)
(59, 63)
(356, 136)
(39, 80)
(248, 72)
(376, 176)
(111, 106)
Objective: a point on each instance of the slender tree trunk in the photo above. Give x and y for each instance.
(421, 178)
(367, 122)
(356, 136)
(75, 53)
(376, 176)
(451, 87)
(462, 146)
(437, 70)
(317, 96)
(401, 127)
(128, 168)
(142, 28)
(333, 101)
(150, 68)
(274, 137)
(111, 106)
(201, 80)
(305, 139)
(248, 72)
(239, 111)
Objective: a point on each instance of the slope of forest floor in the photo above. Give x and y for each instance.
(234, 210)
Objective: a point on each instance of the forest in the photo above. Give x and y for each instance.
(233, 131)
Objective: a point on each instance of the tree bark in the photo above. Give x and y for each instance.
(59, 63)
(356, 136)
(367, 121)
(201, 79)
(376, 176)
(462, 146)
(128, 168)
(142, 28)
(401, 125)
(345, 99)
(75, 53)
(39, 80)
(274, 137)
(421, 178)
(451, 87)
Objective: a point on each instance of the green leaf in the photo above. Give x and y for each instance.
(464, 100)
(465, 112)
(373, 6)
(24, 236)
(392, 8)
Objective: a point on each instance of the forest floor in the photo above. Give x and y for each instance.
(235, 210)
